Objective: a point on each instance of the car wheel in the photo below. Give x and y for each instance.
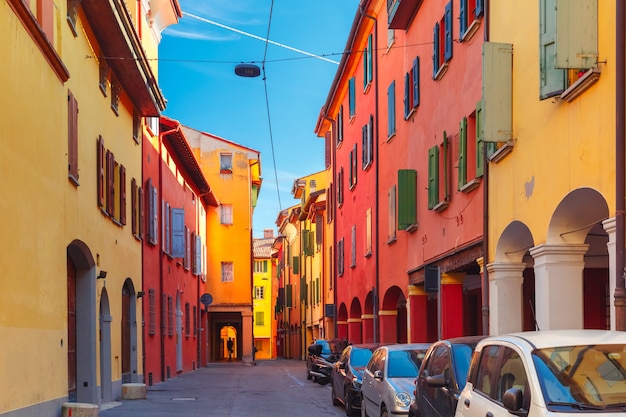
(348, 403)
(334, 396)
(383, 412)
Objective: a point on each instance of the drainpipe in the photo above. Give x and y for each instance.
(620, 106)
(376, 164)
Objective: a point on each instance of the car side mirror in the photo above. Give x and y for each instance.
(378, 375)
(513, 400)
(436, 381)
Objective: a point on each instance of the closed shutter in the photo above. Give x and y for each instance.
(407, 95)
(295, 264)
(416, 82)
(407, 198)
(462, 163)
(480, 158)
(178, 233)
(435, 50)
(72, 136)
(462, 17)
(433, 177)
(123, 195)
(101, 164)
(448, 23)
(391, 109)
(288, 295)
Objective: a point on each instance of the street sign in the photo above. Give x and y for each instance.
(206, 299)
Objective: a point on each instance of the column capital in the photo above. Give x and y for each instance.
(415, 290)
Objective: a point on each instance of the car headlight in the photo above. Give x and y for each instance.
(402, 399)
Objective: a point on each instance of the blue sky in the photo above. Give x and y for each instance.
(197, 58)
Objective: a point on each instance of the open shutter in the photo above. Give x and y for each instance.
(178, 233)
(462, 17)
(407, 198)
(479, 8)
(123, 195)
(407, 95)
(435, 50)
(480, 159)
(448, 23)
(288, 296)
(72, 136)
(462, 164)
(433, 176)
(391, 109)
(295, 264)
(552, 79)
(576, 34)
(101, 156)
(416, 82)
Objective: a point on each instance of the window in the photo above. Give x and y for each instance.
(368, 232)
(391, 218)
(412, 89)
(170, 316)
(72, 13)
(178, 249)
(104, 75)
(340, 187)
(151, 311)
(226, 162)
(72, 138)
(259, 318)
(153, 219)
(295, 264)
(442, 40)
(407, 199)
(260, 266)
(469, 12)
(121, 185)
(352, 97)
(468, 158)
(353, 248)
(187, 320)
(487, 369)
(340, 257)
(226, 213)
(187, 258)
(198, 249)
(367, 146)
(165, 227)
(339, 126)
(137, 215)
(228, 274)
(353, 159)
(368, 64)
(438, 194)
(568, 41)
(115, 96)
(259, 292)
(391, 110)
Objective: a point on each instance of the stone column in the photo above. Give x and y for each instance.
(505, 297)
(451, 293)
(388, 326)
(367, 325)
(559, 285)
(610, 228)
(354, 330)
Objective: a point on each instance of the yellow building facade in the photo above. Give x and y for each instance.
(262, 294)
(234, 172)
(549, 99)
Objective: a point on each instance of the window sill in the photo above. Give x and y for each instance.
(411, 113)
(390, 137)
(471, 185)
(581, 85)
(502, 152)
(441, 71)
(471, 30)
(413, 227)
(391, 240)
(441, 206)
(226, 171)
(73, 180)
(368, 254)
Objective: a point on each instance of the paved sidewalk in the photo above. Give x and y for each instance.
(273, 388)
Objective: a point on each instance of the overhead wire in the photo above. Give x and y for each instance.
(267, 104)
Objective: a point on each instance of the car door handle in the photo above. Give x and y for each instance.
(466, 402)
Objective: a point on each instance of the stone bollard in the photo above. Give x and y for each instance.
(79, 410)
(133, 391)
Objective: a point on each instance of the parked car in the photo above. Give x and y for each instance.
(547, 373)
(442, 377)
(389, 378)
(347, 376)
(328, 351)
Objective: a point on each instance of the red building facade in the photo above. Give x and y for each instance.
(176, 199)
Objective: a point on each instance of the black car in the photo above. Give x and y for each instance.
(327, 350)
(347, 376)
(442, 377)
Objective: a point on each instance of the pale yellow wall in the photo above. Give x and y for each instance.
(43, 212)
(264, 305)
(559, 146)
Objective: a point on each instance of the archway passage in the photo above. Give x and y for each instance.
(228, 343)
(393, 317)
(71, 330)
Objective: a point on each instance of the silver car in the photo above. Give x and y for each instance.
(389, 379)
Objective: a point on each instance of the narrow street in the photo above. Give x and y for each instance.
(276, 388)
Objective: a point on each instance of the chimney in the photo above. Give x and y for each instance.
(268, 233)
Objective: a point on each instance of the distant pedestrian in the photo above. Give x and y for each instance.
(254, 351)
(229, 345)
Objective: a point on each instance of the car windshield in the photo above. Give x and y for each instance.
(582, 376)
(325, 346)
(462, 355)
(360, 357)
(404, 363)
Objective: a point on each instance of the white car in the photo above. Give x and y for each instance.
(547, 373)
(389, 379)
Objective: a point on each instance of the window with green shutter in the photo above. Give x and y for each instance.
(391, 110)
(462, 162)
(352, 97)
(551, 79)
(433, 177)
(407, 199)
(295, 264)
(289, 295)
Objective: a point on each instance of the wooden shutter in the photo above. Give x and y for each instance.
(327, 149)
(288, 296)
(352, 96)
(72, 136)
(133, 206)
(448, 24)
(479, 8)
(551, 79)
(462, 164)
(435, 50)
(416, 82)
(319, 229)
(407, 198)
(407, 94)
(480, 159)
(122, 195)
(391, 109)
(576, 34)
(497, 106)
(101, 164)
(433, 176)
(462, 17)
(140, 210)
(178, 233)
(295, 264)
